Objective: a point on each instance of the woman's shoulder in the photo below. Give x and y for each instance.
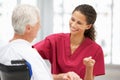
(93, 43)
(57, 35)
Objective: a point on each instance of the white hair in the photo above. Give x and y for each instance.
(22, 15)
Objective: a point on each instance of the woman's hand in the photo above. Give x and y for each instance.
(88, 61)
(71, 76)
(67, 76)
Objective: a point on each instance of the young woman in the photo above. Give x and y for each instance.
(76, 51)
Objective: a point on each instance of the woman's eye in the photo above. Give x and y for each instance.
(72, 19)
(79, 22)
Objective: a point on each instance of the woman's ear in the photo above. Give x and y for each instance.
(89, 26)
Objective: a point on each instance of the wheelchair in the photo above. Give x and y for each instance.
(18, 70)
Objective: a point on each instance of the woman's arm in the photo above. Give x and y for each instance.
(89, 63)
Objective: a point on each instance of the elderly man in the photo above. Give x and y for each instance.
(26, 23)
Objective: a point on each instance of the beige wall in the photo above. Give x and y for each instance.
(112, 73)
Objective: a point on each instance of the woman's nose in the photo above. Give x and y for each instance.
(73, 24)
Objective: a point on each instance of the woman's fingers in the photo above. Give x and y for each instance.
(88, 61)
(71, 76)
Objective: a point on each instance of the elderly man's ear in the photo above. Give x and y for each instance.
(28, 28)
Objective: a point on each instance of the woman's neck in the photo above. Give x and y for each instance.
(76, 39)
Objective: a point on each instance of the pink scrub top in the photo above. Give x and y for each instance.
(56, 48)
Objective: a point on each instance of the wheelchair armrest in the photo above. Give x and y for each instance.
(13, 68)
(15, 71)
(18, 61)
(16, 65)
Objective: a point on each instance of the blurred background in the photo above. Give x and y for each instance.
(55, 15)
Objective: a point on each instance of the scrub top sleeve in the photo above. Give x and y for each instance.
(99, 68)
(43, 47)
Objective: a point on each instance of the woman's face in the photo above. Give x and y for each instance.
(78, 23)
